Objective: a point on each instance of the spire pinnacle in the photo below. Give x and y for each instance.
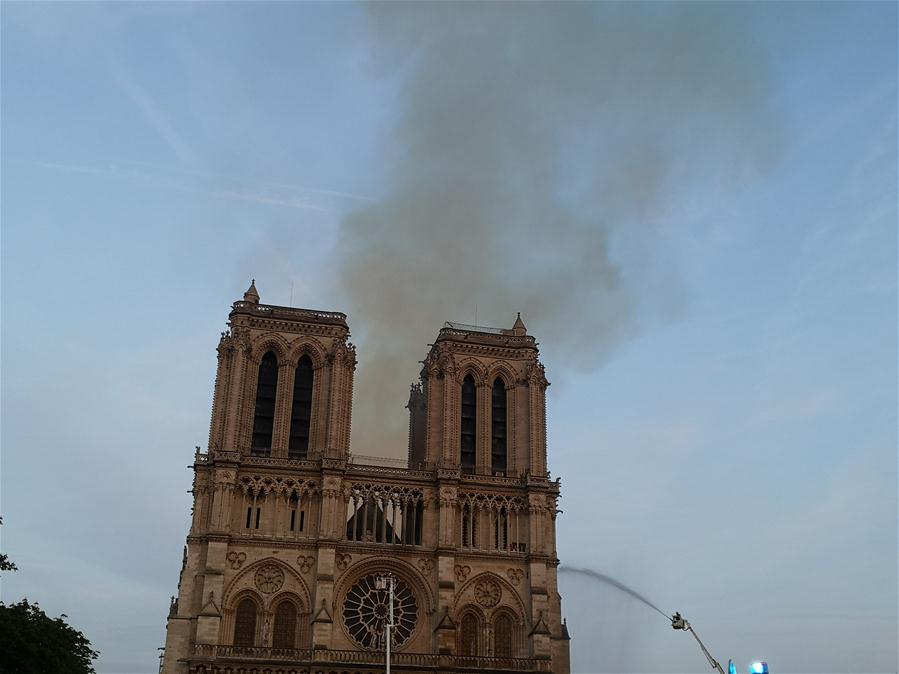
(518, 328)
(252, 295)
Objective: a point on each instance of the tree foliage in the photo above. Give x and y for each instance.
(5, 564)
(31, 642)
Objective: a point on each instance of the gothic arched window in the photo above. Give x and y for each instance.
(245, 623)
(498, 427)
(469, 635)
(469, 526)
(502, 636)
(301, 412)
(264, 417)
(469, 426)
(284, 633)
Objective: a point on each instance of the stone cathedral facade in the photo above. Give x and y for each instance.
(291, 531)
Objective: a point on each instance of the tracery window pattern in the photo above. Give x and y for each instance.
(469, 635)
(284, 633)
(245, 623)
(385, 514)
(502, 636)
(503, 519)
(277, 506)
(264, 415)
(301, 411)
(469, 528)
(365, 613)
(498, 427)
(468, 430)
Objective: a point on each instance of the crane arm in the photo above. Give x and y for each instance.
(679, 623)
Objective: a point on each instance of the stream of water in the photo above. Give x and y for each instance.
(603, 578)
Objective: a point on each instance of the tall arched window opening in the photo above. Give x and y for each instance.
(245, 623)
(469, 635)
(469, 424)
(284, 633)
(498, 427)
(469, 526)
(264, 417)
(301, 412)
(501, 529)
(502, 636)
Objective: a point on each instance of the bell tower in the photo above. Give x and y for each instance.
(480, 407)
(278, 442)
(276, 365)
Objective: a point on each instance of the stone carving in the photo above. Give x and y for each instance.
(236, 559)
(487, 592)
(536, 375)
(425, 565)
(269, 578)
(342, 561)
(264, 485)
(515, 575)
(462, 572)
(305, 563)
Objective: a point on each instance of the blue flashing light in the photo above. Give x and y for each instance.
(758, 668)
(731, 667)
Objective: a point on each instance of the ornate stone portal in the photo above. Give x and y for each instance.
(290, 530)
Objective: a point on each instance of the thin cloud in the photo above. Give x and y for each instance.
(262, 199)
(151, 112)
(71, 168)
(260, 183)
(254, 197)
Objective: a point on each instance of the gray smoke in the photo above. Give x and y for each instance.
(539, 150)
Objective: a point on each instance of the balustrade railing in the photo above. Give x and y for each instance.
(310, 656)
(292, 312)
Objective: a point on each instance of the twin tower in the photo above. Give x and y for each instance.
(291, 539)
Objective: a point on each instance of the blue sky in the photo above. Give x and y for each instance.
(693, 206)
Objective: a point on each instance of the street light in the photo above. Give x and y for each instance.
(387, 582)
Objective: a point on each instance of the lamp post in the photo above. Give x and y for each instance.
(387, 582)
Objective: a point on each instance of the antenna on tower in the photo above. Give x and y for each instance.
(290, 303)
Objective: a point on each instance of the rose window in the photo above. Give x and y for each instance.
(366, 611)
(269, 578)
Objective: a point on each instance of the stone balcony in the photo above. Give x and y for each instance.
(209, 658)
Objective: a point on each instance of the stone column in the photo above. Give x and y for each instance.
(451, 418)
(537, 418)
(324, 598)
(513, 466)
(347, 358)
(221, 392)
(224, 483)
(236, 432)
(434, 439)
(484, 450)
(334, 381)
(540, 632)
(318, 425)
(283, 404)
(342, 363)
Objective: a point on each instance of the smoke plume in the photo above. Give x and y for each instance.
(538, 151)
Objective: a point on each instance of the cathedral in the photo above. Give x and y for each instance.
(303, 558)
